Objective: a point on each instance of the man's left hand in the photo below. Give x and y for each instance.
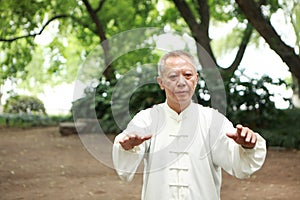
(243, 136)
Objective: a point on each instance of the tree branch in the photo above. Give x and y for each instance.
(100, 5)
(199, 31)
(239, 56)
(109, 70)
(204, 14)
(187, 14)
(227, 73)
(253, 14)
(35, 34)
(99, 27)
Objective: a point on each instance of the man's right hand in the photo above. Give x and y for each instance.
(131, 140)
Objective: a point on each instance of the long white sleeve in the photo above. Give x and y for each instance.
(232, 157)
(127, 162)
(236, 160)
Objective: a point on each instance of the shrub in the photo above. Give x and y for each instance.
(99, 101)
(20, 104)
(248, 102)
(286, 131)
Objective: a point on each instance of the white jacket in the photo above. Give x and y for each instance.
(184, 157)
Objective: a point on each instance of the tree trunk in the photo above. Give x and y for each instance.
(296, 92)
(1, 107)
(109, 72)
(200, 32)
(254, 15)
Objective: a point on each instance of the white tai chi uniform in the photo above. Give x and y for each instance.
(184, 157)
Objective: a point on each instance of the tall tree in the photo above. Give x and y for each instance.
(262, 24)
(199, 16)
(79, 25)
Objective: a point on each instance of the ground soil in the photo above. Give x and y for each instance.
(39, 163)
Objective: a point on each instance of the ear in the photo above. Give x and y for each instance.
(197, 79)
(160, 82)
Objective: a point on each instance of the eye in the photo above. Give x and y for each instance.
(172, 76)
(188, 75)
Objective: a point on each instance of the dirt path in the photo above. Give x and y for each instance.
(41, 164)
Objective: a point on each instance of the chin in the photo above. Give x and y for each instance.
(183, 100)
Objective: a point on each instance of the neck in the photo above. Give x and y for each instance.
(178, 107)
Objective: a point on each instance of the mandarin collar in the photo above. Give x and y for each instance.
(173, 114)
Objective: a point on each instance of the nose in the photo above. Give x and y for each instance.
(181, 81)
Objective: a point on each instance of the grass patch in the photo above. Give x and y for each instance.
(32, 120)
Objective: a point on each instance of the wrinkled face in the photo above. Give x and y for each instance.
(179, 80)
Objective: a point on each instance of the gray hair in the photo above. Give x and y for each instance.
(176, 53)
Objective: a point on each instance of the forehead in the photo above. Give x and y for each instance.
(179, 62)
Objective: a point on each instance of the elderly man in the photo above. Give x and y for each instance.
(183, 144)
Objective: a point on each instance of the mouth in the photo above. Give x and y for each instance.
(181, 92)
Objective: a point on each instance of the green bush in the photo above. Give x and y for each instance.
(99, 101)
(285, 132)
(21, 104)
(28, 111)
(249, 101)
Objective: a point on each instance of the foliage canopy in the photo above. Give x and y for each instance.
(76, 27)
(72, 29)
